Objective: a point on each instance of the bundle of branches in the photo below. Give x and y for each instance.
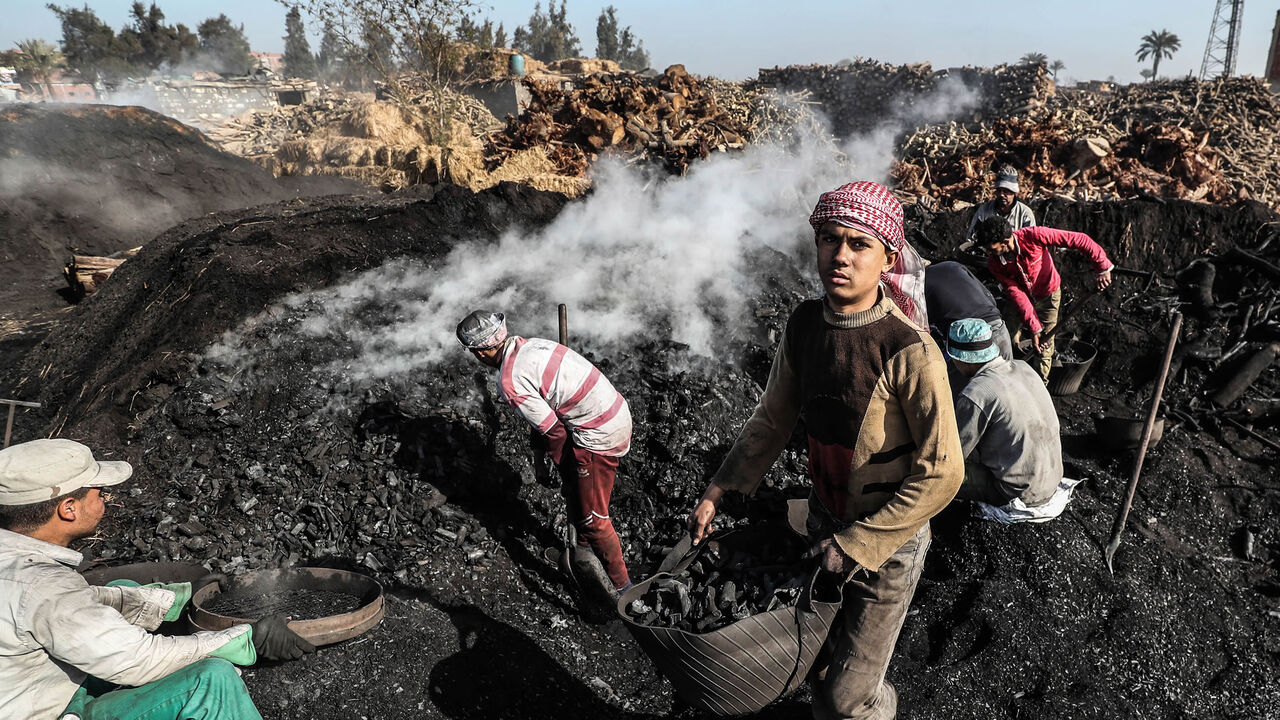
(259, 133)
(459, 106)
(672, 119)
(859, 96)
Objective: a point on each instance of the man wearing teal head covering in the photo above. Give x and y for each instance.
(1008, 425)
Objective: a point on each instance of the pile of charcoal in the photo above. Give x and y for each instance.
(728, 582)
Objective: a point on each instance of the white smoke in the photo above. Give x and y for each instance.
(89, 193)
(640, 250)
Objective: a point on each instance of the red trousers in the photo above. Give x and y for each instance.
(586, 484)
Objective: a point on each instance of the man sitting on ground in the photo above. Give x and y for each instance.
(1008, 425)
(71, 650)
(952, 293)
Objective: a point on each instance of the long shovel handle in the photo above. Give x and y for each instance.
(1118, 527)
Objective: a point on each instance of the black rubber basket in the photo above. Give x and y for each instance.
(1065, 377)
(743, 667)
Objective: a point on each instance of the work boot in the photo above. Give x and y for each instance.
(598, 597)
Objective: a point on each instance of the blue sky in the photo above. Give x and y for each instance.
(732, 39)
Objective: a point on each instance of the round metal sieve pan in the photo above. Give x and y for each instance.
(318, 631)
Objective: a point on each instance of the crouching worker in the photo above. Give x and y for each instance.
(583, 422)
(71, 650)
(1008, 427)
(860, 368)
(1021, 261)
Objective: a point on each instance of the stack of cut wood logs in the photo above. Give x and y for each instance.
(672, 119)
(1207, 141)
(859, 96)
(86, 273)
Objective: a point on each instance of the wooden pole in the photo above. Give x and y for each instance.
(564, 324)
(13, 406)
(1118, 526)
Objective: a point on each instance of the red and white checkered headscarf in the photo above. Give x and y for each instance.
(871, 208)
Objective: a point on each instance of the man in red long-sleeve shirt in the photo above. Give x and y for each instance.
(1020, 260)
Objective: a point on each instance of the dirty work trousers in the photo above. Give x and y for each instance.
(1047, 310)
(587, 484)
(982, 486)
(863, 635)
(208, 689)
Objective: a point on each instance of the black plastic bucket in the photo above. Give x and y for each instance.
(743, 667)
(1065, 376)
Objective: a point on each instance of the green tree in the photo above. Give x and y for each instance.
(479, 34)
(153, 42)
(224, 46)
(1056, 67)
(631, 52)
(378, 34)
(549, 36)
(607, 34)
(1157, 45)
(298, 60)
(620, 46)
(1033, 58)
(39, 59)
(90, 45)
(500, 37)
(329, 57)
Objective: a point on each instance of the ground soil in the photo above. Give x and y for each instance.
(98, 179)
(1008, 622)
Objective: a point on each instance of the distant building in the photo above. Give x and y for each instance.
(269, 61)
(69, 87)
(1096, 85)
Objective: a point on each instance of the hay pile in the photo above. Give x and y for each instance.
(387, 146)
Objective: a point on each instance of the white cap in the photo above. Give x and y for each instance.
(482, 330)
(1007, 178)
(40, 470)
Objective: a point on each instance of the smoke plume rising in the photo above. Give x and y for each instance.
(642, 252)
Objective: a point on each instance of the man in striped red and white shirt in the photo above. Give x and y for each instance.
(583, 420)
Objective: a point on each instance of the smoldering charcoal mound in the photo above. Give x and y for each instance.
(282, 452)
(101, 178)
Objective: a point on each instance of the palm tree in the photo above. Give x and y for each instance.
(1056, 66)
(1157, 45)
(40, 59)
(1033, 58)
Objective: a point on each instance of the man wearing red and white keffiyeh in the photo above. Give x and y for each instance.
(884, 454)
(871, 208)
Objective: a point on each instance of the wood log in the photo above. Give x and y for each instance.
(1248, 259)
(1237, 384)
(86, 273)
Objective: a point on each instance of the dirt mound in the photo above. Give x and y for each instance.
(285, 453)
(99, 179)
